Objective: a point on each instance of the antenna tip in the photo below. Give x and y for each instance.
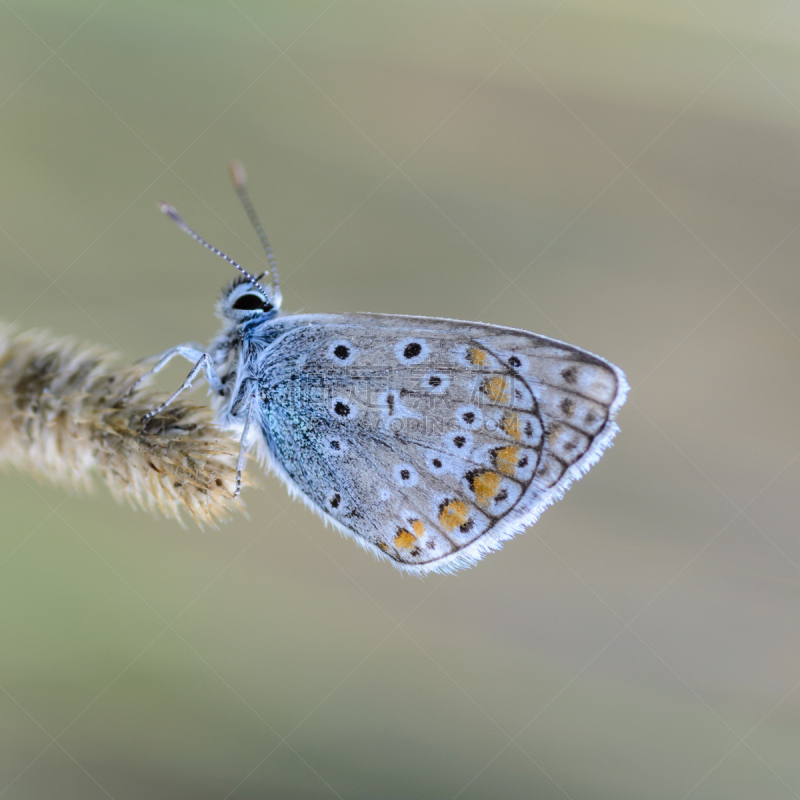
(166, 208)
(237, 174)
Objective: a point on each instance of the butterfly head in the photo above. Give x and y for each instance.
(244, 300)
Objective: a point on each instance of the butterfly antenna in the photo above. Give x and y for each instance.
(240, 185)
(167, 209)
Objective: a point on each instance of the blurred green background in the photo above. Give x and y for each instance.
(623, 176)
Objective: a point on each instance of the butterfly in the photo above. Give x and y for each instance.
(429, 441)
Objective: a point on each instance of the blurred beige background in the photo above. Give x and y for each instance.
(625, 176)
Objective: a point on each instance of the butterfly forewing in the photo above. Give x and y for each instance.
(430, 440)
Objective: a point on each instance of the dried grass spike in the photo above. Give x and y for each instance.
(65, 416)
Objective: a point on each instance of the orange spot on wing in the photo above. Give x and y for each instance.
(477, 356)
(417, 527)
(453, 514)
(496, 389)
(404, 540)
(511, 425)
(505, 459)
(485, 485)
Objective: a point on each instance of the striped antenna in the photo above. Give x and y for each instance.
(239, 180)
(167, 209)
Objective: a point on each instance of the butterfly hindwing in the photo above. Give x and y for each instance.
(431, 441)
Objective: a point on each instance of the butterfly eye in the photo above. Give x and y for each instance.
(251, 302)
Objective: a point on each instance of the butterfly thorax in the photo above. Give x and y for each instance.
(235, 352)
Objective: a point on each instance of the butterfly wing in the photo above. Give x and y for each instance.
(430, 441)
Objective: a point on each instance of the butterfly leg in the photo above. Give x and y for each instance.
(192, 352)
(202, 362)
(251, 407)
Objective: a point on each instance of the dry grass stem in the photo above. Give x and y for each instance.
(65, 417)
